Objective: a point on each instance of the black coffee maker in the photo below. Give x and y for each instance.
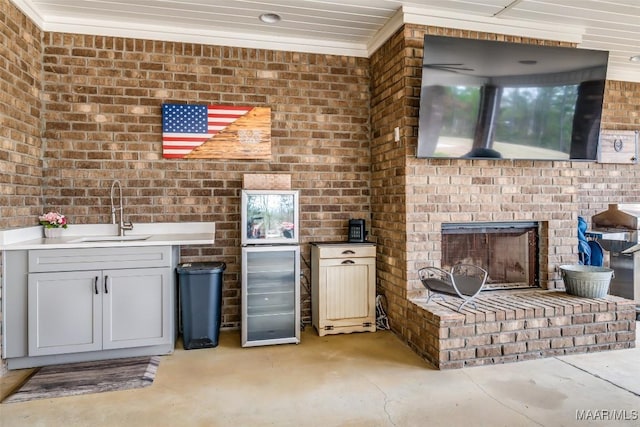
(357, 232)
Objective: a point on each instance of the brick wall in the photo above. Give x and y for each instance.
(99, 109)
(103, 121)
(20, 114)
(390, 109)
(412, 197)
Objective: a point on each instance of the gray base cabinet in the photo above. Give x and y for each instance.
(96, 310)
(69, 305)
(64, 313)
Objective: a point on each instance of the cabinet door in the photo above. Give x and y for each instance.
(136, 307)
(270, 295)
(64, 312)
(347, 291)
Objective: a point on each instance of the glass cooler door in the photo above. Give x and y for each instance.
(270, 295)
(269, 217)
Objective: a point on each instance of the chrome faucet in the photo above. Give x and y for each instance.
(122, 225)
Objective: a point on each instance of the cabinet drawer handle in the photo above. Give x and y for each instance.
(348, 252)
(348, 261)
(106, 289)
(95, 285)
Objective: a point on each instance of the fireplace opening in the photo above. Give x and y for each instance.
(508, 251)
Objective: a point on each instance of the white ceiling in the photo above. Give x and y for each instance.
(350, 27)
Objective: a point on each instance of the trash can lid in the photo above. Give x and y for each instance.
(201, 267)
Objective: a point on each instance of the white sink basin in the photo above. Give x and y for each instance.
(110, 239)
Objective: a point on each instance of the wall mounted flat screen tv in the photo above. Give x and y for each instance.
(491, 99)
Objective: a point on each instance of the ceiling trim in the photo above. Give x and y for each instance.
(30, 12)
(404, 15)
(383, 34)
(200, 36)
(512, 27)
(622, 74)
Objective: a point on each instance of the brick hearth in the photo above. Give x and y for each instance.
(522, 325)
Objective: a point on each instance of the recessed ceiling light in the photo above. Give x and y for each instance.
(270, 18)
(635, 58)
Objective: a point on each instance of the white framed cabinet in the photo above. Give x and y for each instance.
(98, 309)
(343, 287)
(65, 315)
(82, 304)
(270, 295)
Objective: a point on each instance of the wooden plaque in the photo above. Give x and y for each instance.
(619, 146)
(268, 181)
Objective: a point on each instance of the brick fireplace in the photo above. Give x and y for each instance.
(412, 198)
(513, 319)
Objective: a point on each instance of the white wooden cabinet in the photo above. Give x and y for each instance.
(343, 287)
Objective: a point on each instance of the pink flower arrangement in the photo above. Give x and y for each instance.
(53, 220)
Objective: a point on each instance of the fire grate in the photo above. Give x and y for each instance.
(464, 281)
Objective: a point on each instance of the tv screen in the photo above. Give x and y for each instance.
(490, 99)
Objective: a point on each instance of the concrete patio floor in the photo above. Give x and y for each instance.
(363, 379)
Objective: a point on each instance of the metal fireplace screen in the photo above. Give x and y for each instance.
(507, 251)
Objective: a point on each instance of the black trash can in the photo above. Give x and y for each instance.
(200, 303)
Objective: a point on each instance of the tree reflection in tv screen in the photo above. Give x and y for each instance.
(533, 117)
(493, 99)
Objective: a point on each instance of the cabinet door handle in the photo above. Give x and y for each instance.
(106, 289)
(95, 285)
(348, 252)
(348, 261)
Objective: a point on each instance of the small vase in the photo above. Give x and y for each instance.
(52, 233)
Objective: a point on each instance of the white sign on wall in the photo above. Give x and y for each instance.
(618, 146)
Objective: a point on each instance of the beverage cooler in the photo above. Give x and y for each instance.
(270, 267)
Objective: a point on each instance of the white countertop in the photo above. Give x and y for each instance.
(161, 234)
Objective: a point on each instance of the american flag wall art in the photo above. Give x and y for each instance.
(215, 131)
